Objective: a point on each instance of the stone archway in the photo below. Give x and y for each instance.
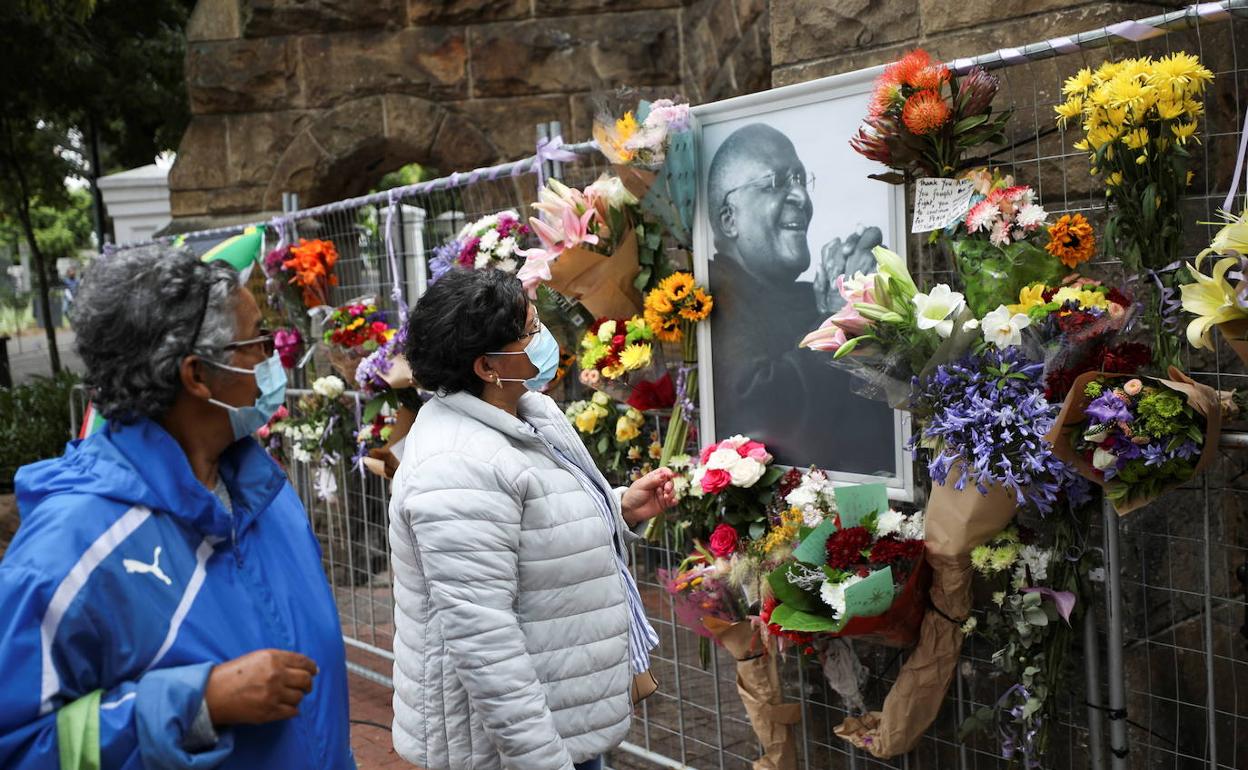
(342, 151)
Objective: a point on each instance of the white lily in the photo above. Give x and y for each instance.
(1003, 328)
(936, 309)
(893, 266)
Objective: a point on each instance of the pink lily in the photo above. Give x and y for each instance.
(828, 337)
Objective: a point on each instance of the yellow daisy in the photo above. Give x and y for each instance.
(634, 357)
(1079, 83)
(1183, 131)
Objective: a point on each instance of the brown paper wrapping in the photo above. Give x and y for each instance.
(637, 181)
(1236, 335)
(1204, 399)
(758, 684)
(956, 522)
(602, 283)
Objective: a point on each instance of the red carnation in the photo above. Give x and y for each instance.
(846, 546)
(724, 541)
(617, 341)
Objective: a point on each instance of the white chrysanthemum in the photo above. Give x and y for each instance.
(488, 241)
(1030, 216)
(506, 247)
(889, 523)
(1035, 560)
(812, 516)
(507, 265)
(802, 496)
(482, 260)
(833, 594)
(912, 527)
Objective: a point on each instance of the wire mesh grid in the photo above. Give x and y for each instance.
(1185, 661)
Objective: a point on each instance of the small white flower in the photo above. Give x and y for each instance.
(488, 241)
(506, 265)
(913, 527)
(937, 308)
(969, 625)
(506, 247)
(833, 594)
(802, 496)
(695, 483)
(680, 487)
(1030, 216)
(482, 260)
(889, 523)
(606, 331)
(1003, 328)
(1103, 459)
(1033, 560)
(329, 387)
(812, 516)
(970, 326)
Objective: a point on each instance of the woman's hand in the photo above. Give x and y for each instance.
(649, 496)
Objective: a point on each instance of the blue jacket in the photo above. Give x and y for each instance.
(129, 577)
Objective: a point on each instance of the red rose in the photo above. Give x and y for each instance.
(617, 341)
(724, 541)
(715, 481)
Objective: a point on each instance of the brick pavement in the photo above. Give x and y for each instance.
(371, 702)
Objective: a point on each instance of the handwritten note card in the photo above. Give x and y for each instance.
(939, 203)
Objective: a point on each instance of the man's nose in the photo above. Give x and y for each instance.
(798, 194)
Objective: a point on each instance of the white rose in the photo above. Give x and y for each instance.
(746, 472)
(722, 459)
(329, 387)
(612, 190)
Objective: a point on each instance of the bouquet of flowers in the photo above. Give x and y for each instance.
(673, 309)
(352, 332)
(1213, 299)
(888, 332)
(317, 432)
(307, 267)
(1140, 437)
(732, 482)
(616, 438)
(1138, 117)
(1074, 324)
(652, 150)
(616, 354)
(385, 380)
(588, 245)
(923, 120)
(862, 563)
(700, 589)
(491, 241)
(992, 245)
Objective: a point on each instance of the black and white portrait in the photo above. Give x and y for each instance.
(785, 208)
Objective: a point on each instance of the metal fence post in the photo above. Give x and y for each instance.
(1113, 636)
(1092, 676)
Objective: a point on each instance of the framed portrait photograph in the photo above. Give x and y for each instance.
(785, 206)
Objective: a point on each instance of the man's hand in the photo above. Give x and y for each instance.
(843, 258)
(261, 686)
(649, 496)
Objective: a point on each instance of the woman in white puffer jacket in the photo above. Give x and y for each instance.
(519, 628)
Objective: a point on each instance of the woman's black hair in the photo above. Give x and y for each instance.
(465, 314)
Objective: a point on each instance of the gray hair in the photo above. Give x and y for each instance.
(135, 314)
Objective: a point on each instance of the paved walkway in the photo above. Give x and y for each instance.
(371, 702)
(28, 354)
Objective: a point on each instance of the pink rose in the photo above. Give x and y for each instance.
(263, 432)
(282, 413)
(760, 455)
(746, 449)
(706, 453)
(724, 541)
(714, 481)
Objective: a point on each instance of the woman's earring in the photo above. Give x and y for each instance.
(498, 381)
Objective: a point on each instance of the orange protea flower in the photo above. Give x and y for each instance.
(931, 77)
(904, 70)
(925, 112)
(1071, 240)
(698, 307)
(887, 96)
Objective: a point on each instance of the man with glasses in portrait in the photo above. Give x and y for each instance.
(760, 207)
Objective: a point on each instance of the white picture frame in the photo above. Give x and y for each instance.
(843, 99)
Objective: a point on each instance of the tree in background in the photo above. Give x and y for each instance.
(100, 78)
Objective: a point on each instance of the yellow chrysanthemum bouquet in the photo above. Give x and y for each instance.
(1139, 117)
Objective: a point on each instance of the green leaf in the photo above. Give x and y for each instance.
(788, 593)
(643, 278)
(792, 619)
(966, 124)
(371, 410)
(603, 443)
(757, 530)
(770, 476)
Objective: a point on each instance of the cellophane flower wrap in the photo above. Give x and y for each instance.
(354, 331)
(923, 120)
(700, 588)
(996, 245)
(318, 431)
(888, 332)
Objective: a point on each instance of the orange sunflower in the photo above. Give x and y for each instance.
(666, 327)
(698, 307)
(1071, 240)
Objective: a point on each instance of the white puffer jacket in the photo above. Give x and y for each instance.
(512, 623)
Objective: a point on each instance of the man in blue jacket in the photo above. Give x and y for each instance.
(163, 604)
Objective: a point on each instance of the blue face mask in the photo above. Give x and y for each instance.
(543, 352)
(271, 380)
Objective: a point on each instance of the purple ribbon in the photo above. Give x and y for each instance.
(396, 293)
(1239, 166)
(1169, 303)
(360, 450)
(550, 150)
(682, 398)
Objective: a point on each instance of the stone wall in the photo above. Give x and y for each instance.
(322, 97)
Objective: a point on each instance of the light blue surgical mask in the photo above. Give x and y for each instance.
(543, 352)
(271, 380)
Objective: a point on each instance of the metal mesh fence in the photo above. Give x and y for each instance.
(1182, 660)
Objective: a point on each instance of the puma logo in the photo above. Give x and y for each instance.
(152, 569)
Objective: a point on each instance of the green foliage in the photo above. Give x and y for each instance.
(34, 422)
(402, 176)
